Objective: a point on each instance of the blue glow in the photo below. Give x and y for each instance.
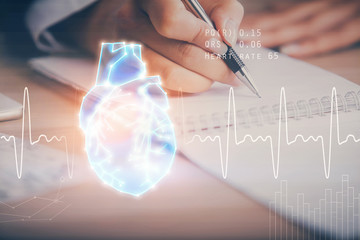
(129, 138)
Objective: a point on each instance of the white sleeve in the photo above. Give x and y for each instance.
(44, 14)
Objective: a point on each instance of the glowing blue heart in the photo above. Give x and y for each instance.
(129, 137)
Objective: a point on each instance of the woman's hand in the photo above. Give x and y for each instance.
(175, 42)
(309, 28)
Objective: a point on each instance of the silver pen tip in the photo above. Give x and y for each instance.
(249, 78)
(246, 78)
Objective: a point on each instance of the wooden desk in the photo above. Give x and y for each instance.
(187, 204)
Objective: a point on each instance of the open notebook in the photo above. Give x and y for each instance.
(250, 144)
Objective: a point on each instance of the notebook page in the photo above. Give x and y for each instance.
(251, 168)
(302, 181)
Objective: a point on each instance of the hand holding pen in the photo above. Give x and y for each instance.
(174, 40)
(230, 57)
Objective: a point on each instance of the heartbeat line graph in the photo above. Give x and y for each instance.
(11, 138)
(268, 138)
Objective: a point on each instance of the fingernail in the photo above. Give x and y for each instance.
(216, 46)
(290, 49)
(230, 32)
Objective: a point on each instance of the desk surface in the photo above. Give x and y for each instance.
(188, 203)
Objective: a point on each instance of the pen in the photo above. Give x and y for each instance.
(231, 58)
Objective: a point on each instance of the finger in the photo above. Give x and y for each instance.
(295, 14)
(173, 76)
(186, 55)
(227, 16)
(328, 19)
(333, 16)
(339, 38)
(196, 60)
(172, 20)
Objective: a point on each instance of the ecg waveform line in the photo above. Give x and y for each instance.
(19, 166)
(275, 166)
